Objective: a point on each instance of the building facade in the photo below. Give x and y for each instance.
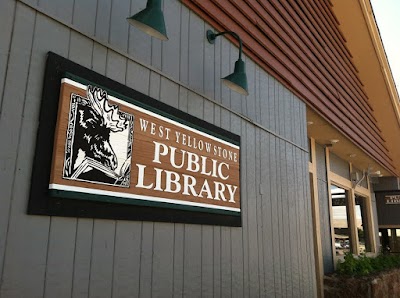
(314, 72)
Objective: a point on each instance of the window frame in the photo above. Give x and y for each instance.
(337, 180)
(349, 219)
(312, 169)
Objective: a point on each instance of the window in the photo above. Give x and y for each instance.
(390, 240)
(362, 223)
(340, 220)
(351, 221)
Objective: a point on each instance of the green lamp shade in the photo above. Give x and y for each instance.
(237, 81)
(150, 20)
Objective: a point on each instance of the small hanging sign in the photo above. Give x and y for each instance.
(392, 200)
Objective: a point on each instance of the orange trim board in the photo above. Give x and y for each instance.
(108, 147)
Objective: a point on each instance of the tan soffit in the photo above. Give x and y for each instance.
(363, 40)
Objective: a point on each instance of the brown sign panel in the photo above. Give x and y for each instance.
(392, 200)
(104, 150)
(111, 148)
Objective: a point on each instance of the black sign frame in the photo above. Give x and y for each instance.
(42, 203)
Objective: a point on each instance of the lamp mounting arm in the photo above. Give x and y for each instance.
(357, 182)
(236, 81)
(211, 36)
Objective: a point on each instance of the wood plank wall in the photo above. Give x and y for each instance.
(40, 256)
(300, 43)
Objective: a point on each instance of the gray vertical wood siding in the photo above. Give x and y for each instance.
(41, 256)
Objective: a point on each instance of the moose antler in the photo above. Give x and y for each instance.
(109, 113)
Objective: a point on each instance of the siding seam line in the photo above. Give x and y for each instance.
(113, 258)
(74, 258)
(151, 68)
(3, 256)
(8, 60)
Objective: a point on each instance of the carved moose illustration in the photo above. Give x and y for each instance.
(94, 123)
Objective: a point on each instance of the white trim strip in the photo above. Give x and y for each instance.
(132, 106)
(137, 197)
(73, 83)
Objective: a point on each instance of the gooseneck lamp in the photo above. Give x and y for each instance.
(150, 20)
(236, 81)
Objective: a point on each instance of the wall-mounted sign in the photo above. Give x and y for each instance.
(115, 150)
(119, 149)
(392, 200)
